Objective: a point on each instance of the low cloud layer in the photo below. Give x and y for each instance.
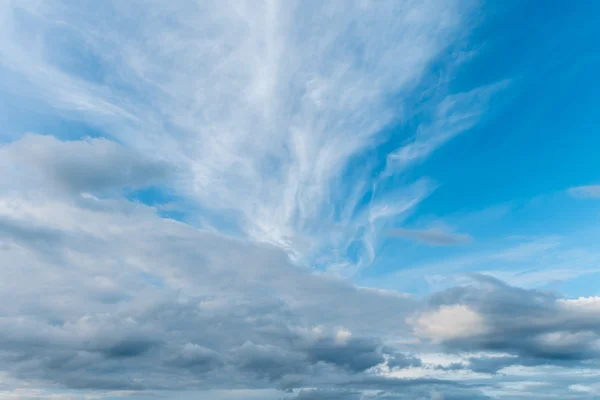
(104, 295)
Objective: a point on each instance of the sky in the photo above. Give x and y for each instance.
(278, 200)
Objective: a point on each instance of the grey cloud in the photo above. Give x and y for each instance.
(267, 361)
(43, 240)
(196, 358)
(89, 165)
(129, 347)
(434, 237)
(408, 393)
(328, 395)
(400, 360)
(356, 355)
(389, 384)
(189, 309)
(532, 324)
(491, 365)
(187, 315)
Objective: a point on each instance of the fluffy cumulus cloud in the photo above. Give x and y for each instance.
(488, 315)
(262, 124)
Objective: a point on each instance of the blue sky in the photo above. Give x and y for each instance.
(299, 200)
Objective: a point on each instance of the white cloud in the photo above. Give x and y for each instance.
(95, 284)
(454, 115)
(263, 104)
(582, 304)
(342, 336)
(582, 389)
(449, 322)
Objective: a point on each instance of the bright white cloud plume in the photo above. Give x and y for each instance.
(449, 323)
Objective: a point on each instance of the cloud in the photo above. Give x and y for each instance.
(328, 395)
(449, 322)
(266, 146)
(453, 115)
(131, 301)
(585, 192)
(434, 236)
(400, 360)
(583, 389)
(528, 323)
(135, 303)
(89, 165)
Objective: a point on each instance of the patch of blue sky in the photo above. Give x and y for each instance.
(416, 111)
(544, 138)
(21, 115)
(162, 198)
(557, 223)
(537, 139)
(152, 195)
(171, 205)
(151, 279)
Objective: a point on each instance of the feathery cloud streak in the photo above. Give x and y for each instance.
(262, 106)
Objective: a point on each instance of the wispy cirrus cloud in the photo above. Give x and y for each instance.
(585, 192)
(264, 105)
(453, 115)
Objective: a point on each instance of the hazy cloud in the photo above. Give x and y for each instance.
(432, 236)
(585, 192)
